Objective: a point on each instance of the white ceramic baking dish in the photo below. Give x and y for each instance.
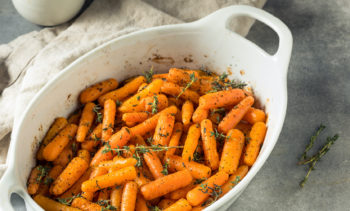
(207, 42)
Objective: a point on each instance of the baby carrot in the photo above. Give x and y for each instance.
(198, 171)
(123, 92)
(221, 98)
(69, 176)
(158, 102)
(134, 117)
(104, 194)
(51, 176)
(166, 184)
(244, 127)
(108, 180)
(85, 155)
(51, 205)
(162, 76)
(181, 77)
(142, 87)
(118, 163)
(116, 197)
(131, 104)
(187, 112)
(93, 92)
(257, 136)
(165, 203)
(254, 115)
(36, 175)
(191, 142)
(118, 139)
(85, 205)
(231, 152)
(209, 144)
(76, 188)
(94, 139)
(108, 119)
(181, 193)
(164, 129)
(141, 203)
(86, 120)
(181, 204)
(234, 179)
(55, 128)
(175, 90)
(153, 162)
(151, 123)
(200, 114)
(74, 117)
(175, 138)
(129, 196)
(65, 156)
(199, 194)
(175, 101)
(235, 115)
(56, 146)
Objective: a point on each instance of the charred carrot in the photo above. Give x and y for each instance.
(123, 92)
(209, 144)
(166, 184)
(257, 136)
(235, 115)
(198, 171)
(234, 179)
(56, 146)
(181, 204)
(202, 192)
(164, 129)
(93, 92)
(191, 142)
(55, 128)
(231, 152)
(69, 176)
(129, 196)
(109, 180)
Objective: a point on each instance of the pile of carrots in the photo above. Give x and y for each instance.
(174, 141)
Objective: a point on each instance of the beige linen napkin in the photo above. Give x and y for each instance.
(34, 58)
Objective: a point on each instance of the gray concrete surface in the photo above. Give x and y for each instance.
(319, 92)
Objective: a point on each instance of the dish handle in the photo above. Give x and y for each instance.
(221, 19)
(8, 185)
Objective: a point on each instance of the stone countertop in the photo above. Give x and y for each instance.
(318, 92)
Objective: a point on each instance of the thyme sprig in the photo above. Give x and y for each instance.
(188, 85)
(165, 168)
(68, 201)
(312, 141)
(223, 83)
(43, 171)
(154, 105)
(149, 75)
(97, 110)
(219, 137)
(214, 193)
(236, 181)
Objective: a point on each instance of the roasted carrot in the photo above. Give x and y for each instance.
(155, 103)
(175, 138)
(231, 152)
(116, 196)
(104, 194)
(153, 162)
(165, 203)
(141, 203)
(209, 144)
(221, 98)
(36, 175)
(76, 188)
(109, 180)
(129, 196)
(108, 119)
(123, 92)
(187, 112)
(86, 120)
(162, 76)
(181, 204)
(198, 171)
(51, 176)
(69, 176)
(95, 91)
(244, 127)
(85, 205)
(175, 90)
(94, 139)
(191, 142)
(257, 136)
(118, 163)
(151, 123)
(142, 87)
(200, 114)
(135, 117)
(164, 129)
(51, 205)
(65, 156)
(234, 179)
(181, 193)
(55, 128)
(118, 139)
(182, 78)
(85, 155)
(254, 115)
(166, 184)
(235, 115)
(175, 101)
(199, 194)
(97, 171)
(56, 146)
(133, 103)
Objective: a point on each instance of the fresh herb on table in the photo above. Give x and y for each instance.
(311, 161)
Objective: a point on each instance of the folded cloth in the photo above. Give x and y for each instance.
(29, 61)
